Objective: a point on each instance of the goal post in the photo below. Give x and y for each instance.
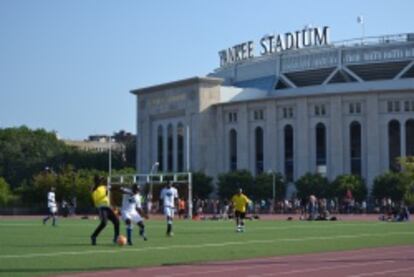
(148, 181)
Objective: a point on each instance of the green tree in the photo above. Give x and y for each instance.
(202, 185)
(310, 184)
(395, 185)
(24, 152)
(354, 183)
(228, 183)
(263, 188)
(5, 192)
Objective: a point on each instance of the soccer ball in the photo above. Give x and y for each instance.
(121, 240)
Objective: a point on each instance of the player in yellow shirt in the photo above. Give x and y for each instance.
(239, 202)
(101, 201)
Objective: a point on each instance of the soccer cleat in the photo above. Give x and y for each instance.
(130, 243)
(170, 234)
(93, 240)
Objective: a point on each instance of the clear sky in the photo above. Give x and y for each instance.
(68, 66)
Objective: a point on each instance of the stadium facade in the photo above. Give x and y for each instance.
(302, 105)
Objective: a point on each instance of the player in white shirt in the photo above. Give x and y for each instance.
(132, 212)
(52, 206)
(169, 198)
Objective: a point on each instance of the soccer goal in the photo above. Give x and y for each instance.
(151, 185)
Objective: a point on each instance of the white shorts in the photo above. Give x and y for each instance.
(53, 209)
(169, 212)
(133, 216)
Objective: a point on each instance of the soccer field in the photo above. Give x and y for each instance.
(29, 248)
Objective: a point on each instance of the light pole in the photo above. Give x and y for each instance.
(110, 158)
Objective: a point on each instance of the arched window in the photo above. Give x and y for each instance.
(160, 148)
(355, 148)
(180, 147)
(259, 150)
(409, 137)
(170, 148)
(289, 151)
(320, 144)
(233, 149)
(394, 144)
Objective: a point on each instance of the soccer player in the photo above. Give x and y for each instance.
(169, 197)
(51, 204)
(101, 201)
(132, 211)
(239, 202)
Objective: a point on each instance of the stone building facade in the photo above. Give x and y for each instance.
(334, 110)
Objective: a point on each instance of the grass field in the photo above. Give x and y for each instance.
(29, 248)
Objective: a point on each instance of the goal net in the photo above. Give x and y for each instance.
(150, 188)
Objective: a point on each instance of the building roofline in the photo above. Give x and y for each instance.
(179, 83)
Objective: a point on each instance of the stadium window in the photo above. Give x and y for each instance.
(235, 117)
(397, 106)
(323, 110)
(394, 144)
(412, 105)
(259, 150)
(409, 138)
(355, 148)
(290, 112)
(170, 154)
(258, 115)
(289, 152)
(320, 144)
(284, 112)
(389, 107)
(358, 108)
(230, 117)
(406, 106)
(160, 148)
(351, 108)
(317, 110)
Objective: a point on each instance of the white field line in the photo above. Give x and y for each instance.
(194, 246)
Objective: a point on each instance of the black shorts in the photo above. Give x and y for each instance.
(239, 214)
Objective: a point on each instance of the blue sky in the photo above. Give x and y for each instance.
(68, 66)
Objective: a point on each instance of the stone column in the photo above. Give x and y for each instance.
(270, 141)
(243, 138)
(301, 139)
(373, 138)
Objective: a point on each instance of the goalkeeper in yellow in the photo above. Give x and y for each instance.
(239, 202)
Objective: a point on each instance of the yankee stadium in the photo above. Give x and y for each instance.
(295, 103)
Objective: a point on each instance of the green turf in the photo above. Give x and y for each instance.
(28, 248)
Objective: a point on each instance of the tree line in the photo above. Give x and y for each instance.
(25, 153)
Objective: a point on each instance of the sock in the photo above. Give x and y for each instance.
(169, 228)
(129, 234)
(54, 221)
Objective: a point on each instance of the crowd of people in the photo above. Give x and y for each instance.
(133, 211)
